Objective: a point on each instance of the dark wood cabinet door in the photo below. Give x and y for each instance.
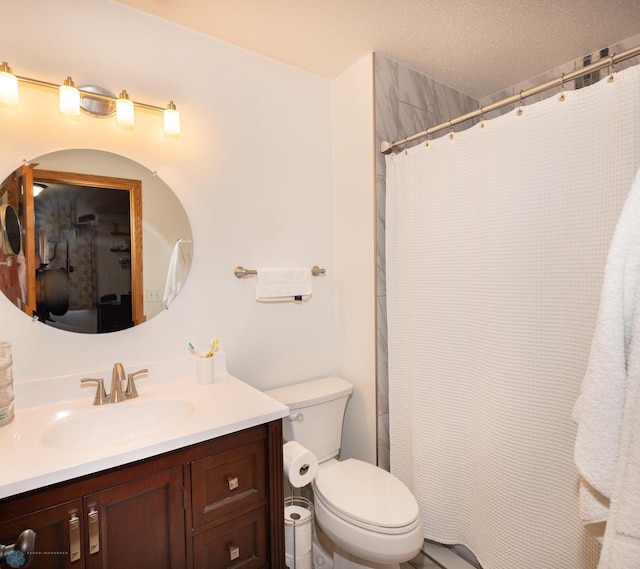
(58, 535)
(137, 525)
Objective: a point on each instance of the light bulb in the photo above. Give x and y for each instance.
(8, 85)
(69, 98)
(124, 110)
(38, 188)
(171, 119)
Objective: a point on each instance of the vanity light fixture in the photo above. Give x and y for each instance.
(124, 110)
(171, 119)
(93, 100)
(8, 85)
(69, 98)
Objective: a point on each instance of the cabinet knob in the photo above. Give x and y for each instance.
(19, 553)
(234, 552)
(233, 482)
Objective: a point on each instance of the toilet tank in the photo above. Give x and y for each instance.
(316, 413)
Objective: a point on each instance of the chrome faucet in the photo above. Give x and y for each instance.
(117, 377)
(117, 393)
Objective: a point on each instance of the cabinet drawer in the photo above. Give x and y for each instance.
(238, 544)
(228, 481)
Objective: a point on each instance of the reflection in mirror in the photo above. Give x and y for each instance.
(91, 221)
(11, 237)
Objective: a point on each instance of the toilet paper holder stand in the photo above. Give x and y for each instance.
(298, 536)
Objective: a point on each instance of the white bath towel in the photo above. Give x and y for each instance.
(607, 450)
(282, 285)
(179, 266)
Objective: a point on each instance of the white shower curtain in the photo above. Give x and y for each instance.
(496, 245)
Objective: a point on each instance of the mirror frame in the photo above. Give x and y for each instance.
(134, 187)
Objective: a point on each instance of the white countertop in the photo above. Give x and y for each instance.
(225, 406)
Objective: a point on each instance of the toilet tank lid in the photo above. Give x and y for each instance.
(311, 392)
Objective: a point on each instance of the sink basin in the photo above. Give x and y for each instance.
(114, 423)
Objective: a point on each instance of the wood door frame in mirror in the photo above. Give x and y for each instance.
(134, 187)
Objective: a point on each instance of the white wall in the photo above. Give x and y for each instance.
(253, 169)
(354, 211)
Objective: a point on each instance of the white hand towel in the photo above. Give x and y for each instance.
(282, 285)
(607, 451)
(179, 266)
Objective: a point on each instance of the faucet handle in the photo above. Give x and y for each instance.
(101, 395)
(131, 392)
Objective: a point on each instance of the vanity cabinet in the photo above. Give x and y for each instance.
(213, 505)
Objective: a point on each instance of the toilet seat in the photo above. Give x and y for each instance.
(367, 496)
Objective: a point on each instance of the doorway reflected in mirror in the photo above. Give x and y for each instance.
(91, 220)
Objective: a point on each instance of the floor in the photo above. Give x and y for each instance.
(421, 561)
(434, 556)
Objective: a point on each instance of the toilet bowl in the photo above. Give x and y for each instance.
(367, 513)
(366, 516)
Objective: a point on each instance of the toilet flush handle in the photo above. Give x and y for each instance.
(297, 417)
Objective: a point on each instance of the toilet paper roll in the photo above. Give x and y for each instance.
(300, 464)
(298, 562)
(298, 530)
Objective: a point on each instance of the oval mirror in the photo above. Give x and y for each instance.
(106, 244)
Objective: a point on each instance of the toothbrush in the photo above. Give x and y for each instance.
(213, 348)
(193, 350)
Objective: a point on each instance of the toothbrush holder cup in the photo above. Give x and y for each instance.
(204, 369)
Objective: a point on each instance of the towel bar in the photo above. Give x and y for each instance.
(241, 272)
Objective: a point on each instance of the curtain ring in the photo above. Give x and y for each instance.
(450, 130)
(612, 69)
(481, 117)
(520, 105)
(562, 97)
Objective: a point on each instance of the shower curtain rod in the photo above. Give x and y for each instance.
(388, 147)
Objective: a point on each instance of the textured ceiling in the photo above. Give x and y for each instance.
(478, 47)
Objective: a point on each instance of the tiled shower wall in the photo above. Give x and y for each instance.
(619, 48)
(407, 102)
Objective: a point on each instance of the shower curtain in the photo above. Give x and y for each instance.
(496, 245)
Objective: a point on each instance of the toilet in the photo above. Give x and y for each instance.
(365, 516)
